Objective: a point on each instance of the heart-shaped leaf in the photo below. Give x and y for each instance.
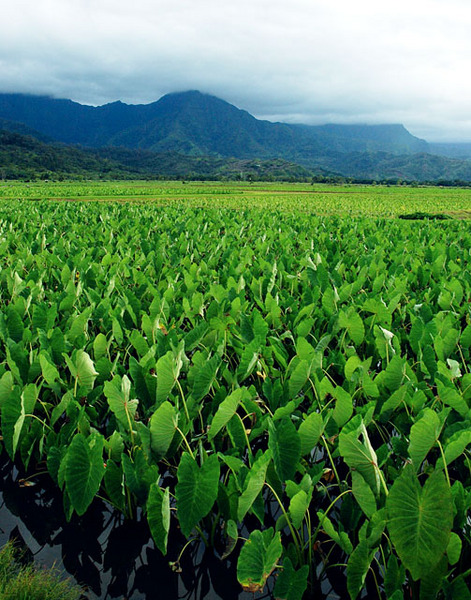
(84, 470)
(196, 490)
(257, 559)
(420, 520)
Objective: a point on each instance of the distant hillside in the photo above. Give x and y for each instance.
(181, 166)
(416, 167)
(15, 127)
(452, 150)
(199, 124)
(24, 157)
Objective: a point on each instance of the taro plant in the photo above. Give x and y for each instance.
(292, 391)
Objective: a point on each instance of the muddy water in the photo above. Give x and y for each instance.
(112, 557)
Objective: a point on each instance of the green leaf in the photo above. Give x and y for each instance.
(423, 435)
(158, 516)
(357, 568)
(14, 324)
(60, 408)
(457, 590)
(248, 360)
(394, 401)
(48, 369)
(139, 475)
(285, 445)
(431, 585)
(352, 364)
(117, 393)
(114, 484)
(163, 424)
(343, 407)
(100, 346)
(84, 470)
(117, 331)
(260, 326)
(394, 374)
(232, 535)
(168, 369)
(451, 397)
(353, 323)
(115, 445)
(196, 490)
(6, 387)
(193, 337)
(139, 343)
(291, 583)
(13, 415)
(465, 339)
(297, 508)
(79, 325)
(86, 372)
(204, 377)
(14, 412)
(226, 410)
(310, 431)
(363, 494)
(453, 549)
(258, 558)
(394, 577)
(254, 483)
(455, 447)
(298, 378)
(339, 537)
(420, 520)
(360, 457)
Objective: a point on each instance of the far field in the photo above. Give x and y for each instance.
(292, 197)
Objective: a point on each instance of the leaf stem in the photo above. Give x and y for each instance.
(444, 463)
(329, 508)
(202, 536)
(40, 420)
(188, 447)
(246, 436)
(331, 460)
(294, 534)
(185, 407)
(381, 478)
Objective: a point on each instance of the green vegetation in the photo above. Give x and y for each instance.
(279, 372)
(26, 582)
(26, 158)
(317, 199)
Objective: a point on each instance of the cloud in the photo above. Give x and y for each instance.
(298, 61)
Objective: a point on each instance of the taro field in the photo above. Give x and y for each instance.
(273, 376)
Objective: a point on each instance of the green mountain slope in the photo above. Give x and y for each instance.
(24, 157)
(416, 167)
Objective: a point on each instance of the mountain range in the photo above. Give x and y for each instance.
(197, 125)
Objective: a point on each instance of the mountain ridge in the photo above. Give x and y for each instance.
(191, 134)
(195, 123)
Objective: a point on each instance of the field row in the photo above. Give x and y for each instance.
(354, 200)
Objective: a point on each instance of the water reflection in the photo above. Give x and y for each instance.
(112, 557)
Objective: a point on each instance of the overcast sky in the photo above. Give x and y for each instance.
(308, 61)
